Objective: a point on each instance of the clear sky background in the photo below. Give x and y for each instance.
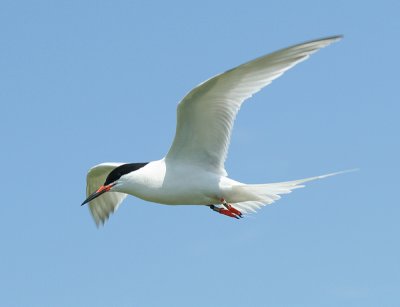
(84, 82)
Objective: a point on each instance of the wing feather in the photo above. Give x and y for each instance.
(102, 206)
(206, 114)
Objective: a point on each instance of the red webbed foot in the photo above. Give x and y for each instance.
(229, 211)
(231, 208)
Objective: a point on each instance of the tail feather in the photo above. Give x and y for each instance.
(259, 195)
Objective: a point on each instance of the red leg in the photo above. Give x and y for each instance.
(231, 208)
(224, 212)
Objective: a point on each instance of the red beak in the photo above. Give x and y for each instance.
(101, 190)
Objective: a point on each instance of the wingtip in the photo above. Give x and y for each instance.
(331, 39)
(337, 37)
(100, 221)
(339, 173)
(99, 224)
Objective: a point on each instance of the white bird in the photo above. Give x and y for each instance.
(193, 172)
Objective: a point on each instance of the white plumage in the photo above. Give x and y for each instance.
(193, 171)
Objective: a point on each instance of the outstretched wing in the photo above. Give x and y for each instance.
(102, 206)
(206, 114)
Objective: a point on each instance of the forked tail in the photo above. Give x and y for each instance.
(259, 195)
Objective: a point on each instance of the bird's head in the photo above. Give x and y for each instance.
(113, 179)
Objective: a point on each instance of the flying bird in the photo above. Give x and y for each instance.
(193, 172)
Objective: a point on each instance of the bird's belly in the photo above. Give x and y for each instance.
(175, 194)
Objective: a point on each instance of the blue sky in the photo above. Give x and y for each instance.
(83, 82)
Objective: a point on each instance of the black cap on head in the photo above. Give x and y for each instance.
(121, 170)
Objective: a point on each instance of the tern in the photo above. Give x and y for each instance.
(193, 172)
